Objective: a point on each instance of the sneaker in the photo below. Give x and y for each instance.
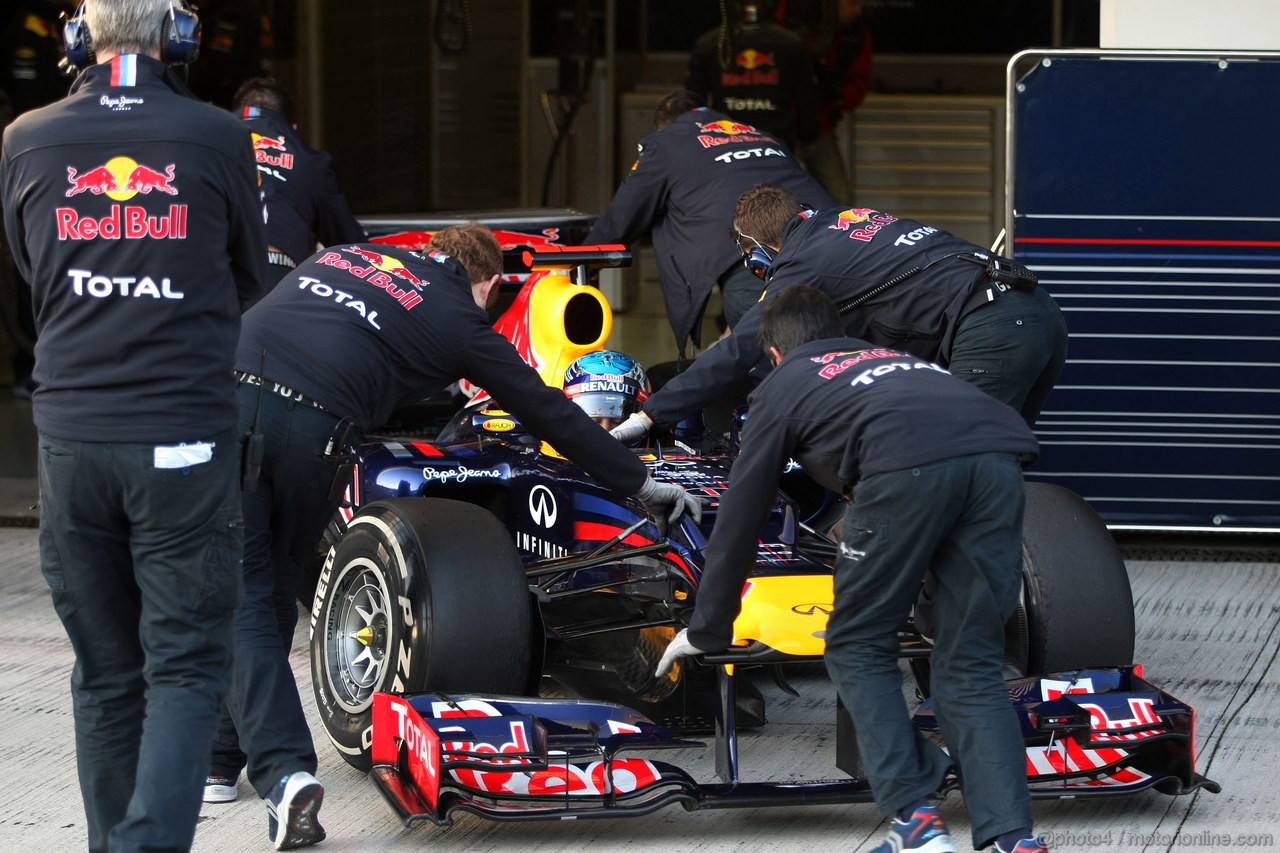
(925, 832)
(291, 811)
(1027, 845)
(220, 789)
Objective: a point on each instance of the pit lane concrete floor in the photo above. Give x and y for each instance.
(1207, 632)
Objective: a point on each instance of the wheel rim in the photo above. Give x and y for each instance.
(358, 636)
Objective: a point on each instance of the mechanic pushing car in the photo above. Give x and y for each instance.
(897, 283)
(932, 465)
(351, 334)
(302, 201)
(683, 188)
(132, 210)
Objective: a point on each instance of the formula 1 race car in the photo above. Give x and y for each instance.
(466, 573)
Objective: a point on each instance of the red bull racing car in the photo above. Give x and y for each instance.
(470, 571)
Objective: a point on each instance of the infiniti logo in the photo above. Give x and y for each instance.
(813, 609)
(542, 506)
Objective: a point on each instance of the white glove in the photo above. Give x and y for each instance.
(677, 648)
(669, 501)
(634, 428)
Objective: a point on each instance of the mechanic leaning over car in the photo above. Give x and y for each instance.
(351, 334)
(683, 188)
(302, 201)
(133, 211)
(932, 466)
(897, 283)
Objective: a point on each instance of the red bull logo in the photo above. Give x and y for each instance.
(382, 271)
(509, 240)
(272, 143)
(264, 145)
(387, 264)
(752, 59)
(846, 219)
(120, 178)
(729, 128)
(724, 132)
(866, 220)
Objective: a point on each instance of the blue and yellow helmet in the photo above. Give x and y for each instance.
(607, 384)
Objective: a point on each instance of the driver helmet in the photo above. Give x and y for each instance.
(608, 385)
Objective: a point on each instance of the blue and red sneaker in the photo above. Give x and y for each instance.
(925, 832)
(1027, 845)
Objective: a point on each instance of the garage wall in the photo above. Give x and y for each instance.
(374, 68)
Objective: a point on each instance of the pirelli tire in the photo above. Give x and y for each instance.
(419, 594)
(1076, 600)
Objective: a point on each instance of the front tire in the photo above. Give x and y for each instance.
(419, 594)
(1077, 602)
(1076, 607)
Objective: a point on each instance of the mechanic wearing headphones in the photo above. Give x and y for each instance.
(899, 284)
(933, 467)
(133, 211)
(304, 204)
(683, 188)
(352, 333)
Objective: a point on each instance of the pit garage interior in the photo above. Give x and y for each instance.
(528, 104)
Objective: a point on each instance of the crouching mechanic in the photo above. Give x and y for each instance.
(352, 333)
(933, 465)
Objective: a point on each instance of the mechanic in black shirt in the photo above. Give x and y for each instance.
(757, 71)
(300, 193)
(133, 211)
(900, 284)
(352, 333)
(683, 188)
(932, 465)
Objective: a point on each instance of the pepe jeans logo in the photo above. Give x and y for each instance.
(459, 475)
(119, 103)
(542, 506)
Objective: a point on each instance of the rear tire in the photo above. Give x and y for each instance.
(419, 594)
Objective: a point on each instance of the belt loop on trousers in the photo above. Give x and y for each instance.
(986, 295)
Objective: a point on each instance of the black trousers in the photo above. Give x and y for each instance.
(143, 561)
(285, 516)
(962, 517)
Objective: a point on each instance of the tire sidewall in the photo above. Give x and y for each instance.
(375, 547)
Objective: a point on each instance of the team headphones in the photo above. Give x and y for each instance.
(179, 37)
(757, 258)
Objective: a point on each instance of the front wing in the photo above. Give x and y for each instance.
(1090, 733)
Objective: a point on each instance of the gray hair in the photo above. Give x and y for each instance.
(126, 26)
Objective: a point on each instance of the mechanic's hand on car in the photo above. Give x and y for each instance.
(668, 501)
(634, 428)
(678, 648)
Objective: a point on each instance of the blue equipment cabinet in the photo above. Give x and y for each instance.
(1144, 190)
